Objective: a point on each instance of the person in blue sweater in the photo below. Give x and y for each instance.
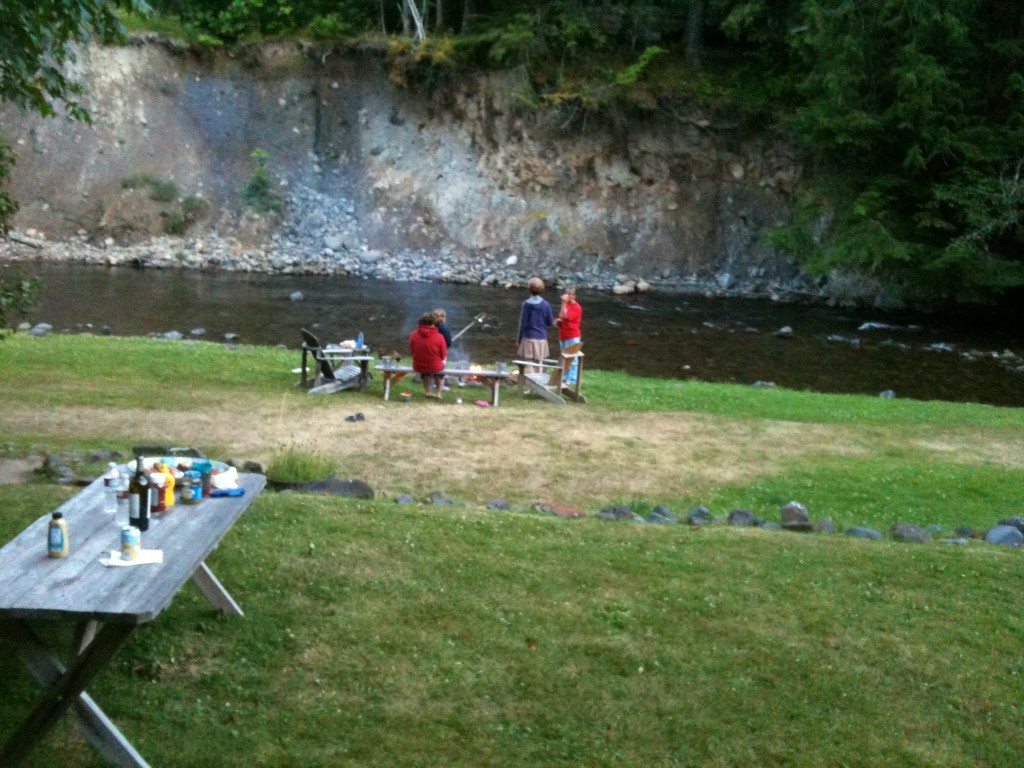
(535, 317)
(440, 318)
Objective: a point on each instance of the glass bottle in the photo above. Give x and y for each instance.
(138, 496)
(57, 536)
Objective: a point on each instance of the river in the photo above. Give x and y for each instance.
(671, 336)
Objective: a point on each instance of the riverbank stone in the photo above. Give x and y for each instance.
(617, 512)
(700, 515)
(1005, 535)
(859, 532)
(910, 533)
(795, 517)
(662, 515)
(744, 518)
(1015, 522)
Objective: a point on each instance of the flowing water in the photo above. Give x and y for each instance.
(672, 336)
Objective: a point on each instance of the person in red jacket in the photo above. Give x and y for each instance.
(429, 351)
(570, 316)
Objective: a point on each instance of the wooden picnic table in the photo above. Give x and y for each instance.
(492, 379)
(102, 605)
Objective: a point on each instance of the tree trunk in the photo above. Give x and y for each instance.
(467, 10)
(417, 19)
(403, 7)
(695, 30)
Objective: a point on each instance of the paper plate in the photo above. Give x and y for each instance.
(178, 462)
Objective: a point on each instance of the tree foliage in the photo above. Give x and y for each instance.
(37, 41)
(917, 105)
(19, 295)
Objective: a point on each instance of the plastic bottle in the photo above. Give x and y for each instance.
(168, 489)
(111, 485)
(57, 544)
(359, 340)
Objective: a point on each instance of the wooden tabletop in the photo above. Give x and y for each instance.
(489, 373)
(79, 588)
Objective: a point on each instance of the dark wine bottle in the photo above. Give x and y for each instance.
(138, 496)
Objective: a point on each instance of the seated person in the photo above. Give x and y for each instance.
(429, 353)
(440, 318)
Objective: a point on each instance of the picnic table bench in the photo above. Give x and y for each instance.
(101, 605)
(491, 378)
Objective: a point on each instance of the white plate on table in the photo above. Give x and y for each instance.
(179, 462)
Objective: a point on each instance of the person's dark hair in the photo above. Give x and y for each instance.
(425, 319)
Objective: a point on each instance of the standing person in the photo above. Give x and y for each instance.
(569, 318)
(535, 317)
(429, 353)
(440, 317)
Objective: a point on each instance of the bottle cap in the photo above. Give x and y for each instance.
(58, 515)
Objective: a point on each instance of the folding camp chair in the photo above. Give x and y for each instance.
(327, 378)
(548, 382)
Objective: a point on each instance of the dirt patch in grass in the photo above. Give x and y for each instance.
(574, 454)
(16, 471)
(569, 454)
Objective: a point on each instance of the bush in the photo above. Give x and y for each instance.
(18, 296)
(193, 208)
(296, 466)
(259, 191)
(159, 190)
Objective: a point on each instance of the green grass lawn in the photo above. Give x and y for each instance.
(384, 635)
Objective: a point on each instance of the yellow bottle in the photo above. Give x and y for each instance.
(57, 544)
(168, 489)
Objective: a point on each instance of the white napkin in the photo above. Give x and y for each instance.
(146, 557)
(225, 480)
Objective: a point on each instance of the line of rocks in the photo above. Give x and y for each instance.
(794, 516)
(323, 235)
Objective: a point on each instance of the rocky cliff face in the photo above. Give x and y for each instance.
(457, 171)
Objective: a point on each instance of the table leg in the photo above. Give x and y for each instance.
(302, 375)
(364, 374)
(214, 591)
(387, 385)
(65, 688)
(497, 390)
(85, 633)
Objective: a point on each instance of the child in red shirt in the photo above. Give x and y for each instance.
(429, 352)
(569, 318)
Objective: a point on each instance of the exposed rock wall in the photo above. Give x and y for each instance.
(461, 168)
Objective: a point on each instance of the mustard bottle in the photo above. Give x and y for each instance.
(168, 489)
(57, 544)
